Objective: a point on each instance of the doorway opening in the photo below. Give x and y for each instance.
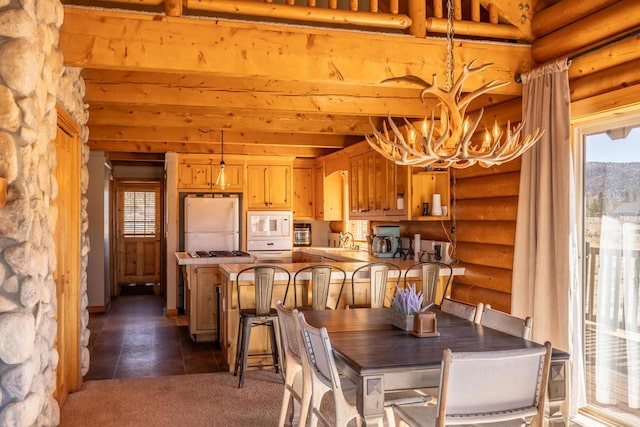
(138, 243)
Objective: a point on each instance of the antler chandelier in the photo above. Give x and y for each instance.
(447, 141)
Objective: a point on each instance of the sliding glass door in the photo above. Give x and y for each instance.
(611, 244)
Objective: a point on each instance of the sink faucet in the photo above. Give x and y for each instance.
(346, 238)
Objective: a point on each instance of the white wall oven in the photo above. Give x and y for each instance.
(270, 236)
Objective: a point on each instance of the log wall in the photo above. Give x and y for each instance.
(486, 211)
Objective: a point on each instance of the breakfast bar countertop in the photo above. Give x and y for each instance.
(184, 258)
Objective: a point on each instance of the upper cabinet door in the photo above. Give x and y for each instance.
(269, 187)
(280, 193)
(303, 185)
(194, 174)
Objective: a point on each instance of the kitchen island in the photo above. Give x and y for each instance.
(202, 286)
(229, 316)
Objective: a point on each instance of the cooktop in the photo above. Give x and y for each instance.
(219, 254)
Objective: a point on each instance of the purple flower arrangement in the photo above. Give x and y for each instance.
(408, 300)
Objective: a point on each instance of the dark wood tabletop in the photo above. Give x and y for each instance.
(366, 340)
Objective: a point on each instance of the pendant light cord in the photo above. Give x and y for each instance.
(449, 84)
(222, 147)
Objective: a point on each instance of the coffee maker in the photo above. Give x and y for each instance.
(384, 240)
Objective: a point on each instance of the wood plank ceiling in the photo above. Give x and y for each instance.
(156, 83)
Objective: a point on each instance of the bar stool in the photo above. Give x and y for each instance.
(430, 277)
(320, 285)
(262, 314)
(377, 273)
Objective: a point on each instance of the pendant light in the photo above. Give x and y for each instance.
(221, 182)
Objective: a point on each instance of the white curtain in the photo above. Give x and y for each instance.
(546, 266)
(617, 305)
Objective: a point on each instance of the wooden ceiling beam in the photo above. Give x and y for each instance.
(211, 119)
(292, 99)
(196, 147)
(194, 135)
(145, 42)
(404, 102)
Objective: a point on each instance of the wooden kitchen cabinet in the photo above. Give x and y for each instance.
(202, 284)
(375, 184)
(358, 191)
(269, 186)
(199, 172)
(233, 174)
(395, 199)
(303, 195)
(328, 194)
(194, 173)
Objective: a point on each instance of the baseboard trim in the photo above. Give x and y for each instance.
(171, 312)
(97, 309)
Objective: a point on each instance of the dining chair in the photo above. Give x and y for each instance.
(471, 312)
(261, 314)
(291, 340)
(505, 322)
(378, 274)
(318, 353)
(486, 387)
(320, 285)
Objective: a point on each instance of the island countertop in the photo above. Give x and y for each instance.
(184, 258)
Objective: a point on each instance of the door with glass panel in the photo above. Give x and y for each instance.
(611, 235)
(139, 232)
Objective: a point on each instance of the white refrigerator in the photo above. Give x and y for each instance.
(211, 223)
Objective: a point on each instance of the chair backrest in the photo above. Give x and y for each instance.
(263, 279)
(493, 386)
(320, 285)
(462, 309)
(290, 332)
(378, 274)
(319, 353)
(430, 273)
(505, 322)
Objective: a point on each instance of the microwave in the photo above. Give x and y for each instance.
(269, 224)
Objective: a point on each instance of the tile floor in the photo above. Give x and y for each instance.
(134, 339)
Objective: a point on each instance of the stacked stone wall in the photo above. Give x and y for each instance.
(31, 73)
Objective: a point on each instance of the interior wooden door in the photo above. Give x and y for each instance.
(138, 228)
(67, 274)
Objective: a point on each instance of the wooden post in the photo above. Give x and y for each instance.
(173, 7)
(457, 10)
(493, 14)
(418, 15)
(437, 9)
(394, 7)
(475, 10)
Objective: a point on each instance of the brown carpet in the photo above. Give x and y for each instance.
(181, 400)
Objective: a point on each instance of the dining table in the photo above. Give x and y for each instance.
(379, 357)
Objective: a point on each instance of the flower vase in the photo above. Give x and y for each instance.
(402, 321)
